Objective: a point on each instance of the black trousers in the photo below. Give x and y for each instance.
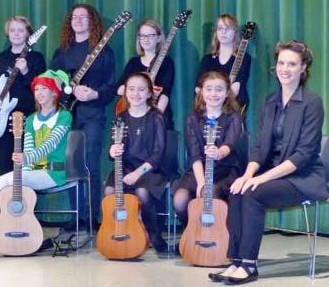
(246, 216)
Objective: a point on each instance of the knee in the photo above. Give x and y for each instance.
(109, 190)
(181, 199)
(143, 195)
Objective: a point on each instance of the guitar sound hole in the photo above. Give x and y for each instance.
(207, 219)
(121, 215)
(16, 208)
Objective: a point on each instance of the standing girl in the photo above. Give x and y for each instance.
(142, 152)
(150, 38)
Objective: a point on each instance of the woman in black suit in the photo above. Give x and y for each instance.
(284, 168)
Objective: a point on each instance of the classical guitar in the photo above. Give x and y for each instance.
(204, 242)
(247, 34)
(8, 79)
(20, 231)
(122, 234)
(68, 100)
(179, 22)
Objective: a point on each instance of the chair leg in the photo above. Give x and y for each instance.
(307, 223)
(169, 217)
(315, 234)
(77, 217)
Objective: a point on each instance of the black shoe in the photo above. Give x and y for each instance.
(159, 244)
(217, 277)
(252, 276)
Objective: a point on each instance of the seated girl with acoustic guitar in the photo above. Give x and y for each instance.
(45, 137)
(149, 40)
(214, 103)
(142, 152)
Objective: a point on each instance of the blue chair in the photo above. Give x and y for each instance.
(78, 180)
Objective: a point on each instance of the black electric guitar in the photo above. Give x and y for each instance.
(20, 231)
(68, 100)
(179, 22)
(6, 82)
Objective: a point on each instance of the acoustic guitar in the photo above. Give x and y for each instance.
(6, 82)
(122, 234)
(68, 100)
(204, 242)
(179, 22)
(20, 231)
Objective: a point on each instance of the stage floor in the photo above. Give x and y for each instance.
(284, 262)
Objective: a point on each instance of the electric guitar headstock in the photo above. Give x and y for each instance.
(121, 20)
(18, 124)
(248, 30)
(36, 35)
(182, 18)
(119, 131)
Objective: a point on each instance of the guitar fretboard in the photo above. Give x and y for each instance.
(238, 59)
(17, 174)
(92, 57)
(118, 184)
(208, 188)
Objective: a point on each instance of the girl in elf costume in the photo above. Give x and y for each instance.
(45, 137)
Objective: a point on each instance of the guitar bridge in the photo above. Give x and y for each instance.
(17, 234)
(205, 244)
(122, 237)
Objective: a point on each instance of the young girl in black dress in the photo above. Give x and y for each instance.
(214, 102)
(142, 152)
(149, 40)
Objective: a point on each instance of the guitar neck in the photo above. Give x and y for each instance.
(90, 59)
(208, 188)
(118, 183)
(162, 54)
(13, 74)
(17, 174)
(238, 59)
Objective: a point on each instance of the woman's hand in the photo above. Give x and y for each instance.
(238, 185)
(84, 93)
(131, 178)
(213, 152)
(253, 183)
(235, 87)
(116, 150)
(18, 158)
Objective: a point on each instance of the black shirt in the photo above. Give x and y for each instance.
(211, 63)
(229, 134)
(164, 79)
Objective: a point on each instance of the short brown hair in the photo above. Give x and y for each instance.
(302, 50)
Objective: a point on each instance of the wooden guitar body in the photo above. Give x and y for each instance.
(122, 234)
(20, 231)
(205, 239)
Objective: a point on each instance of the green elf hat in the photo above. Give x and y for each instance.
(53, 80)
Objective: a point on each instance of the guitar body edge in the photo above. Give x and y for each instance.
(25, 224)
(201, 245)
(127, 239)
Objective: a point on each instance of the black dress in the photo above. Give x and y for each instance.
(211, 63)
(21, 89)
(145, 142)
(225, 170)
(164, 79)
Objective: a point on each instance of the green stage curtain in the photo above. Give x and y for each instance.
(277, 20)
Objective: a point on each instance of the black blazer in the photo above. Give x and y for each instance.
(301, 141)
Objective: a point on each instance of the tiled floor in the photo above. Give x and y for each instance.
(284, 262)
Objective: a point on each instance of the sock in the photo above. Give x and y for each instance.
(250, 264)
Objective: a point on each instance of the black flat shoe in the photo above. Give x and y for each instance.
(217, 277)
(252, 276)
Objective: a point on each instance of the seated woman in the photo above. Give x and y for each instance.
(284, 169)
(214, 101)
(142, 152)
(45, 137)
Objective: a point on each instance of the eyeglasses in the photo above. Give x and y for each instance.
(80, 17)
(147, 36)
(224, 29)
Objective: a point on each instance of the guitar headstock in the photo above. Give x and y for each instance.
(182, 18)
(248, 30)
(119, 131)
(36, 35)
(18, 124)
(121, 20)
(211, 131)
